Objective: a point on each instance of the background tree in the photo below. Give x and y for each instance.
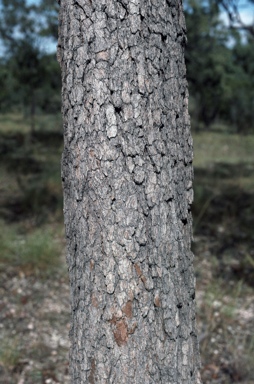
(215, 75)
(207, 59)
(220, 79)
(29, 73)
(233, 10)
(127, 178)
(239, 107)
(25, 30)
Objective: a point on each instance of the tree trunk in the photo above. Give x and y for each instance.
(127, 179)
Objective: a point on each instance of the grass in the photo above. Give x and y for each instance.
(223, 208)
(17, 123)
(31, 194)
(9, 352)
(36, 253)
(14, 123)
(211, 148)
(223, 213)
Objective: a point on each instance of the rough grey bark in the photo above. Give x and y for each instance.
(127, 179)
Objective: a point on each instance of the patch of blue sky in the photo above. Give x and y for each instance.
(246, 15)
(45, 44)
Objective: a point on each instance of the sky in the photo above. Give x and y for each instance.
(246, 11)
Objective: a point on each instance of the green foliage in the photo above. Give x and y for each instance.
(240, 106)
(49, 26)
(17, 22)
(30, 82)
(29, 76)
(27, 21)
(219, 69)
(49, 93)
(207, 59)
(7, 85)
(34, 253)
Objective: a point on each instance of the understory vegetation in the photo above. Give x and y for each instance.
(34, 293)
(224, 247)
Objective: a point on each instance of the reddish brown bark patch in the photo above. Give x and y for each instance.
(139, 273)
(91, 265)
(127, 309)
(138, 270)
(120, 331)
(143, 278)
(91, 377)
(94, 301)
(157, 301)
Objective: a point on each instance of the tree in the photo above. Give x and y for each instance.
(27, 69)
(239, 109)
(233, 10)
(24, 28)
(127, 179)
(27, 20)
(208, 60)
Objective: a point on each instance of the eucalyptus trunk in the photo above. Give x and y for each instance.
(127, 180)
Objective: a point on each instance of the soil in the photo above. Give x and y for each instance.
(34, 324)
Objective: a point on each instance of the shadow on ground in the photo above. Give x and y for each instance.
(30, 167)
(224, 213)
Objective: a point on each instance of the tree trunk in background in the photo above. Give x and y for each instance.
(127, 179)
